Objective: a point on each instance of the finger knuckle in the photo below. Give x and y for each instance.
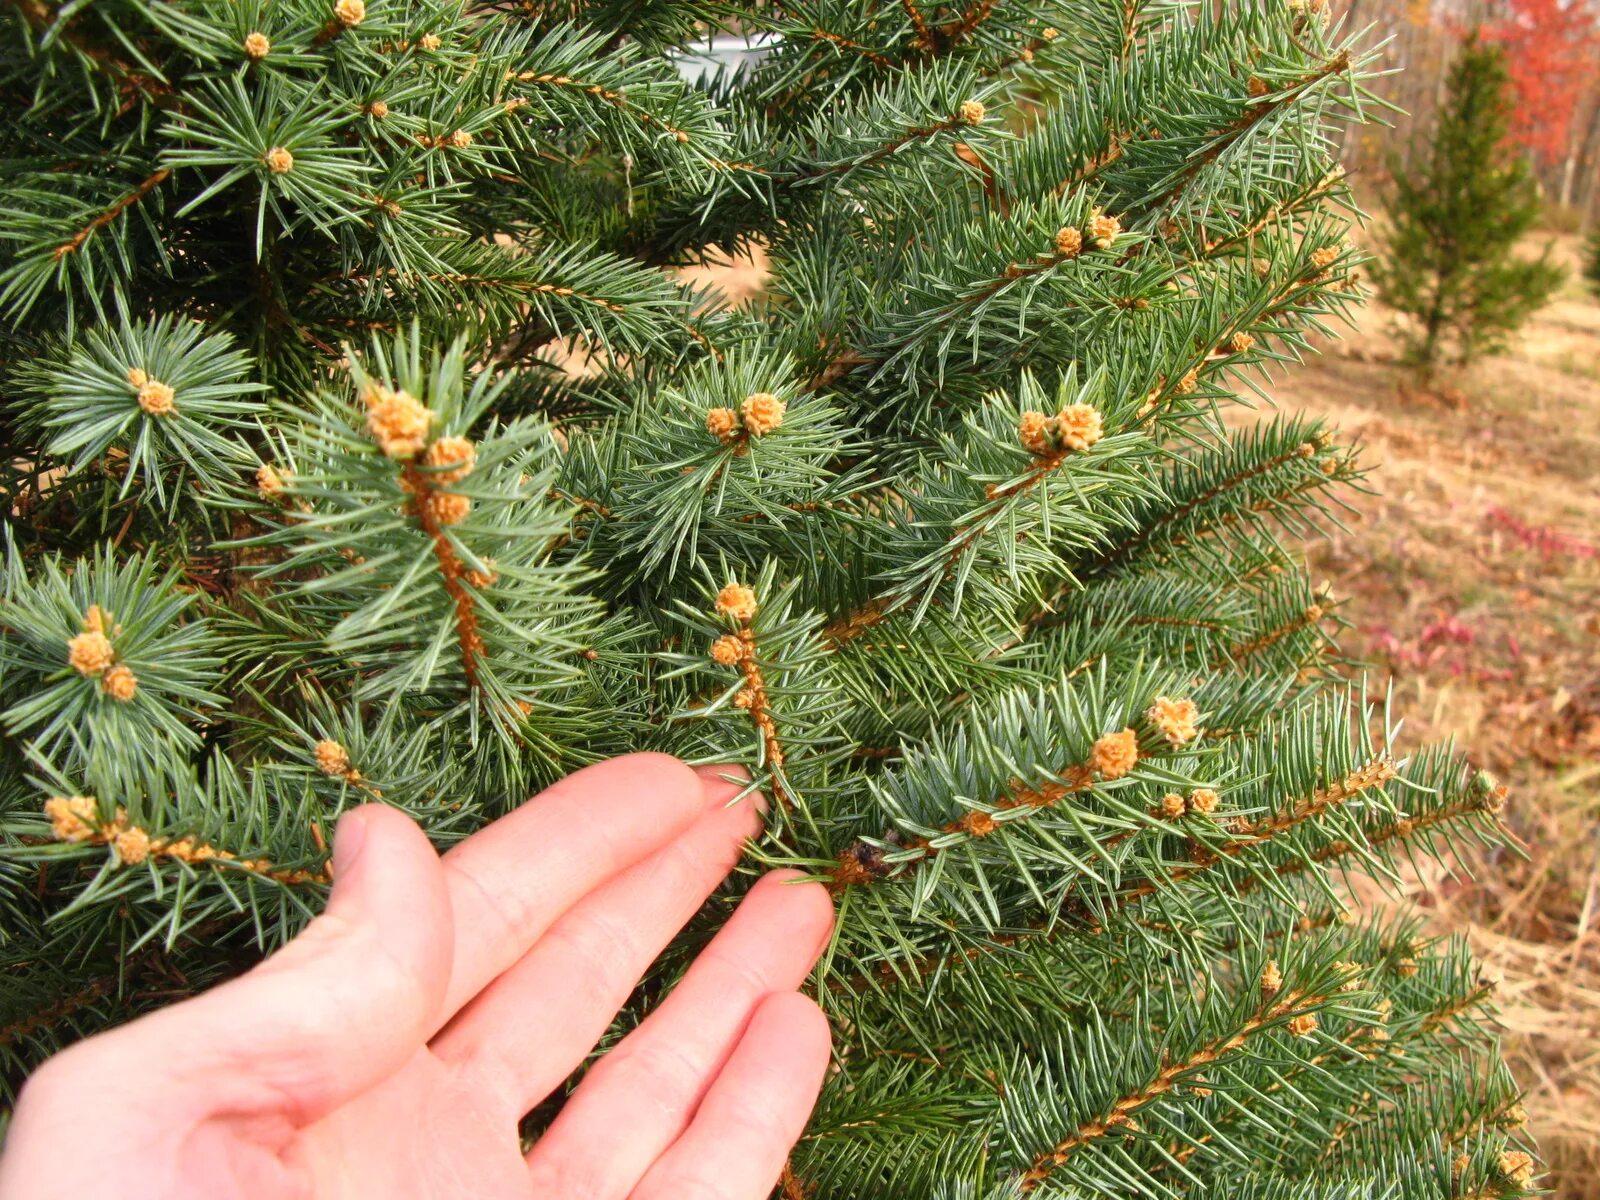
(663, 1076)
(696, 1187)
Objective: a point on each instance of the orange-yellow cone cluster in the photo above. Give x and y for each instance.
(1114, 754)
(397, 421)
(119, 682)
(1177, 720)
(763, 412)
(269, 483)
(448, 460)
(451, 459)
(332, 758)
(1075, 427)
(1517, 1166)
(1037, 432)
(1303, 1025)
(1200, 800)
(758, 415)
(738, 602)
(155, 398)
(91, 654)
(1079, 426)
(1103, 229)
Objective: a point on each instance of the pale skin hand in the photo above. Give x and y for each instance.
(390, 1050)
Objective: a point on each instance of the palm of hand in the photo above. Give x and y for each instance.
(391, 1050)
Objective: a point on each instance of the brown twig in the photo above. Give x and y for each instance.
(959, 30)
(872, 56)
(616, 99)
(516, 285)
(862, 863)
(878, 155)
(24, 1026)
(919, 23)
(1265, 641)
(72, 244)
(753, 698)
(451, 571)
(1237, 479)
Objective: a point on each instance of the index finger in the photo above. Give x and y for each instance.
(512, 880)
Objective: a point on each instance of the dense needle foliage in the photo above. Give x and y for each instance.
(947, 537)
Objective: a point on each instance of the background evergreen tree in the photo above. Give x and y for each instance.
(1462, 197)
(1591, 262)
(945, 538)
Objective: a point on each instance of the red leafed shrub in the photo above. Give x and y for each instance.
(1550, 543)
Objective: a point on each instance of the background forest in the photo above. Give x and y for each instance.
(1473, 574)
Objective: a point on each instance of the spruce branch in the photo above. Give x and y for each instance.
(1291, 1011)
(876, 58)
(1307, 618)
(431, 508)
(158, 401)
(739, 604)
(760, 652)
(1254, 115)
(53, 27)
(1007, 497)
(1212, 490)
(1098, 761)
(1230, 866)
(106, 661)
(1373, 773)
(1476, 801)
(82, 821)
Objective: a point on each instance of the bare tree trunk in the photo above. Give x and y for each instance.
(1587, 171)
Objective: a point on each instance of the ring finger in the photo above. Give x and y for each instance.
(641, 1096)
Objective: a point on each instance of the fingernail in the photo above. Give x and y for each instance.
(348, 838)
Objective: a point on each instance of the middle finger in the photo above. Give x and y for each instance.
(641, 1096)
(527, 1031)
(512, 880)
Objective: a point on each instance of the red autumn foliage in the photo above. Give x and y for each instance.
(1549, 542)
(1550, 51)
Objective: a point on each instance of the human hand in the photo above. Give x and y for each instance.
(390, 1050)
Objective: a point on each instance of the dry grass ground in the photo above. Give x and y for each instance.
(1472, 581)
